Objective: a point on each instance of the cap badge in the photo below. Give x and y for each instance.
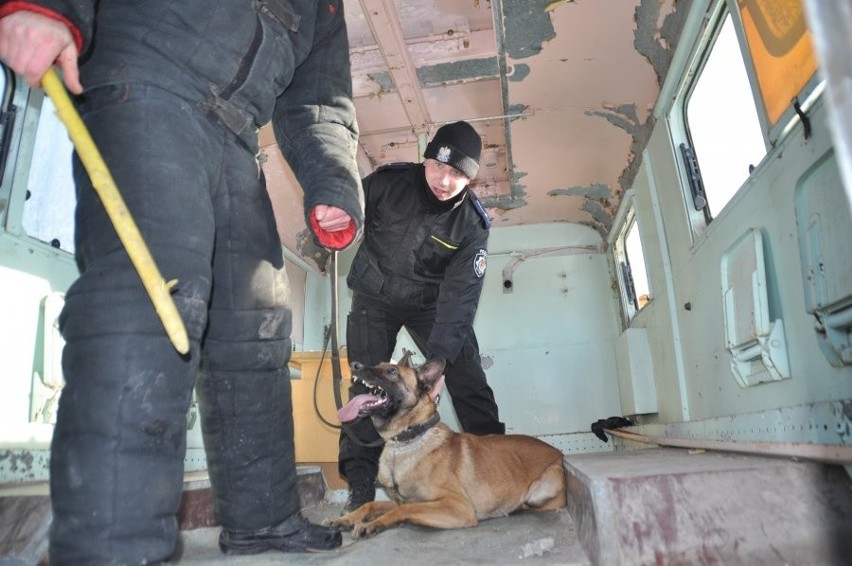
(443, 154)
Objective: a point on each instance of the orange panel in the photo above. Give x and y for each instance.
(781, 48)
(315, 440)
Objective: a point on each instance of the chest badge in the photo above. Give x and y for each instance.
(480, 263)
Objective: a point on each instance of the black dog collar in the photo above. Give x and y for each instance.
(413, 432)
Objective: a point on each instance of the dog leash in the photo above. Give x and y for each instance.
(336, 373)
(325, 421)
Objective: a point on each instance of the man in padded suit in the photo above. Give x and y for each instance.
(420, 266)
(174, 95)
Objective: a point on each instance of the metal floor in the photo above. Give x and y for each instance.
(647, 506)
(524, 538)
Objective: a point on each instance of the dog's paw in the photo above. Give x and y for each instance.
(365, 530)
(341, 523)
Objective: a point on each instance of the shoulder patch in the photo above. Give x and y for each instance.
(395, 165)
(480, 209)
(480, 262)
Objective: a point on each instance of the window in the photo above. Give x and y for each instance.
(636, 261)
(630, 263)
(39, 203)
(721, 117)
(753, 65)
(49, 208)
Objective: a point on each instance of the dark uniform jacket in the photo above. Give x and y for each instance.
(420, 253)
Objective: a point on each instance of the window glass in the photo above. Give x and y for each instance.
(722, 121)
(636, 260)
(780, 47)
(49, 209)
(632, 272)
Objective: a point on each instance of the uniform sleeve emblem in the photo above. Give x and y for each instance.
(480, 263)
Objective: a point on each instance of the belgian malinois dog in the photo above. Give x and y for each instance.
(435, 476)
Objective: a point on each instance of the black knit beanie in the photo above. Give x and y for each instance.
(457, 145)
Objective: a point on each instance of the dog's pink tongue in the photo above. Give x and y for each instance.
(350, 411)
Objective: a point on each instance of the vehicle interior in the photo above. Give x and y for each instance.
(669, 187)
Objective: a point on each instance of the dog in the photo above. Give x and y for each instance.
(437, 477)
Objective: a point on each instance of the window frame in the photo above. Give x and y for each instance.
(714, 14)
(28, 107)
(625, 220)
(19, 108)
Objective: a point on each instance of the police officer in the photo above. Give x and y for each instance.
(420, 266)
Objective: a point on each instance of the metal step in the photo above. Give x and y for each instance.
(677, 506)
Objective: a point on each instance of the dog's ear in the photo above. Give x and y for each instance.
(431, 376)
(406, 359)
(436, 389)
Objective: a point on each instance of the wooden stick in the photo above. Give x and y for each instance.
(158, 289)
(828, 453)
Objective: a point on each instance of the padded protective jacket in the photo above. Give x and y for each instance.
(420, 253)
(246, 62)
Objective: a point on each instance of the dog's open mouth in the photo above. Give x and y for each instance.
(365, 404)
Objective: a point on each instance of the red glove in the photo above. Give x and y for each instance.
(332, 237)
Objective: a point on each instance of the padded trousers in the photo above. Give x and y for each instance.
(198, 196)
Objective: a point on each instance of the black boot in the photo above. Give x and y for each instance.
(293, 534)
(360, 492)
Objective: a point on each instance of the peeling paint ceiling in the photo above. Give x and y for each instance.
(561, 92)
